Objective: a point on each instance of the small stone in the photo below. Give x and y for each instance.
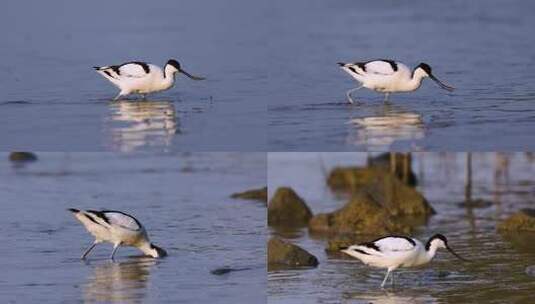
(22, 157)
(287, 255)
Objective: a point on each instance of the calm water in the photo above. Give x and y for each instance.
(183, 200)
(497, 273)
(52, 100)
(483, 48)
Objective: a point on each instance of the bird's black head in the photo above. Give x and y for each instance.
(425, 67)
(440, 237)
(174, 63)
(160, 252)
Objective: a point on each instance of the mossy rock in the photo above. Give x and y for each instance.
(287, 208)
(398, 198)
(253, 194)
(362, 214)
(524, 220)
(282, 254)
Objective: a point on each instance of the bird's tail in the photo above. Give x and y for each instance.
(341, 64)
(73, 210)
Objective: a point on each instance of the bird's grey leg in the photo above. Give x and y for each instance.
(348, 94)
(144, 96)
(386, 96)
(115, 247)
(117, 97)
(386, 277)
(89, 249)
(392, 279)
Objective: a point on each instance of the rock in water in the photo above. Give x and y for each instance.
(386, 207)
(253, 194)
(22, 157)
(391, 193)
(287, 208)
(287, 255)
(225, 270)
(520, 221)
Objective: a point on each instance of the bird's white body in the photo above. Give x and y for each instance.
(133, 79)
(138, 77)
(388, 76)
(118, 228)
(380, 76)
(393, 252)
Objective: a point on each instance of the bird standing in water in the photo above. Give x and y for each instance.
(392, 252)
(118, 228)
(141, 77)
(388, 76)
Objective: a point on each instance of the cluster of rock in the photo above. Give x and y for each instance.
(379, 203)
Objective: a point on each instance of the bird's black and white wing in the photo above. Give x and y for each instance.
(381, 67)
(133, 69)
(378, 67)
(391, 244)
(121, 219)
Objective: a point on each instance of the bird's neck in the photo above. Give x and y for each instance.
(168, 79)
(415, 82)
(431, 251)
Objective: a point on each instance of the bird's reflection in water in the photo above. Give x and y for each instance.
(389, 297)
(136, 125)
(388, 125)
(123, 282)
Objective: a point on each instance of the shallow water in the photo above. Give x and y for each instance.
(52, 100)
(496, 273)
(483, 48)
(183, 201)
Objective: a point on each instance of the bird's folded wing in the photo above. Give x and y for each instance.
(133, 70)
(394, 244)
(379, 67)
(123, 220)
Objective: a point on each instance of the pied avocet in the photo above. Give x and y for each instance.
(118, 228)
(141, 77)
(392, 252)
(388, 76)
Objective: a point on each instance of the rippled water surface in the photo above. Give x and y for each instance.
(483, 48)
(182, 200)
(51, 99)
(496, 273)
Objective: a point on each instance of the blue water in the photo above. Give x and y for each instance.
(496, 273)
(52, 100)
(483, 48)
(183, 200)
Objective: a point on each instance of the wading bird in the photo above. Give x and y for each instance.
(141, 77)
(392, 252)
(118, 228)
(388, 76)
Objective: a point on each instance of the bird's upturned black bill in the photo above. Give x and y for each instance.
(192, 76)
(456, 255)
(441, 84)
